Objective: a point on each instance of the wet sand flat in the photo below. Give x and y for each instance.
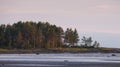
(55, 64)
(59, 60)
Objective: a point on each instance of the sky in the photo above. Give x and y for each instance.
(99, 19)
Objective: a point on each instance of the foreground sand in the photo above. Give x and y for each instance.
(56, 64)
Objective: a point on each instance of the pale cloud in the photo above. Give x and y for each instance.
(104, 7)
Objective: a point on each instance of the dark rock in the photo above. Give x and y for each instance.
(113, 54)
(37, 53)
(66, 61)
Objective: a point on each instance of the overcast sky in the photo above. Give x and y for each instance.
(92, 16)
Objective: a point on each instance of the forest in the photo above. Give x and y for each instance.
(41, 35)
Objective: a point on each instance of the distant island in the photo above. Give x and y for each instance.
(43, 37)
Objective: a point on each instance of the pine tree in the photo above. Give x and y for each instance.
(71, 37)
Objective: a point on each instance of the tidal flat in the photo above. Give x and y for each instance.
(60, 60)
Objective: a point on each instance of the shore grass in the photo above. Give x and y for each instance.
(60, 50)
(69, 49)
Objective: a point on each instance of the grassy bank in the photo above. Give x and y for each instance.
(61, 50)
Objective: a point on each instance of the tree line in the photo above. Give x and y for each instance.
(32, 35)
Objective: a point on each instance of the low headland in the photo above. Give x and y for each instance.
(43, 37)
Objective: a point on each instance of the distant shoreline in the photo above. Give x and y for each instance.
(60, 50)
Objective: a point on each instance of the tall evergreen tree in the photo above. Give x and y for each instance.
(71, 37)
